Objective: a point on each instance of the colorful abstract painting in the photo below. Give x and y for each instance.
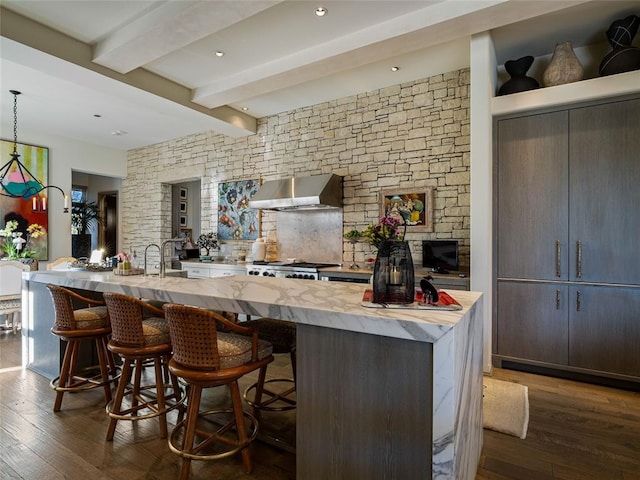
(31, 212)
(236, 221)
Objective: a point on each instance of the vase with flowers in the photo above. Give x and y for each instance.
(387, 228)
(393, 275)
(207, 242)
(16, 247)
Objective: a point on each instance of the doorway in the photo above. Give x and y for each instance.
(108, 230)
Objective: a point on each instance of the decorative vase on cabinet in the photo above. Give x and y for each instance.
(624, 57)
(564, 66)
(519, 81)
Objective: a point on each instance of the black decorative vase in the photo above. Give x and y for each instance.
(393, 276)
(81, 245)
(519, 82)
(624, 57)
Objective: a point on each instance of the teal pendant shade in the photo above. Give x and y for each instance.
(393, 275)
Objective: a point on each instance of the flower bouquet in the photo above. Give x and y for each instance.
(14, 246)
(387, 228)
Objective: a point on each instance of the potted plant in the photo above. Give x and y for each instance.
(207, 242)
(85, 216)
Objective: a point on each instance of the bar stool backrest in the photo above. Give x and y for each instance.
(64, 317)
(194, 336)
(126, 316)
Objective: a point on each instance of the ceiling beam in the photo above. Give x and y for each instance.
(35, 35)
(170, 27)
(435, 24)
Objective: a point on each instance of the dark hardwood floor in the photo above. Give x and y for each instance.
(576, 431)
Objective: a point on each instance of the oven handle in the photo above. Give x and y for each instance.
(329, 278)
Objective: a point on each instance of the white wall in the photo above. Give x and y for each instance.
(66, 155)
(483, 82)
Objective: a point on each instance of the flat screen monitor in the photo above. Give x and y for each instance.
(440, 254)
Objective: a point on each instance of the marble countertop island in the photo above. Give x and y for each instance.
(426, 370)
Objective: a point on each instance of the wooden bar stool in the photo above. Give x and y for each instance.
(140, 335)
(76, 326)
(205, 357)
(282, 335)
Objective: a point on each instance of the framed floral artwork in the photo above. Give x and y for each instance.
(22, 218)
(236, 221)
(414, 207)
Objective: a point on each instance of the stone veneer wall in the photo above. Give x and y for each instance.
(407, 136)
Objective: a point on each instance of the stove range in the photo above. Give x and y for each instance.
(301, 270)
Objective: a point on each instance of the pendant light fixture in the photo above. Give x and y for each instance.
(16, 181)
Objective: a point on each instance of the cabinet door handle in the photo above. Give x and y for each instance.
(558, 258)
(557, 299)
(579, 259)
(578, 300)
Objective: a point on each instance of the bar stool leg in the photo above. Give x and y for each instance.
(262, 376)
(236, 400)
(193, 405)
(157, 364)
(117, 403)
(111, 363)
(64, 374)
(104, 372)
(176, 387)
(73, 367)
(137, 373)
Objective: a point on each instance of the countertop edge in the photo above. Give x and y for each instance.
(327, 304)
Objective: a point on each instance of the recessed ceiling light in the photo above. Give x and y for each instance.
(219, 53)
(395, 69)
(244, 109)
(321, 11)
(119, 132)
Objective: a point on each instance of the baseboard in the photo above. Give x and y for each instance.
(577, 376)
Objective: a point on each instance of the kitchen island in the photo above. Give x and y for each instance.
(382, 393)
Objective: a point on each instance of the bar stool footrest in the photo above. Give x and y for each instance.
(211, 438)
(86, 379)
(146, 400)
(272, 397)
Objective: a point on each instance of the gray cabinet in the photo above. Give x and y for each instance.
(532, 207)
(604, 146)
(567, 260)
(583, 327)
(604, 329)
(533, 321)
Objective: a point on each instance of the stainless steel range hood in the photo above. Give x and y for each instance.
(315, 192)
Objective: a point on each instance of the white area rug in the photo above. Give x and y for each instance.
(505, 407)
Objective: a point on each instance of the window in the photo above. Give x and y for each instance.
(78, 194)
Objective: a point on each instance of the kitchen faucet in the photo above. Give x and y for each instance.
(145, 255)
(162, 249)
(163, 245)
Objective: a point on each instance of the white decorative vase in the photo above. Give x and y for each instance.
(564, 66)
(259, 250)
